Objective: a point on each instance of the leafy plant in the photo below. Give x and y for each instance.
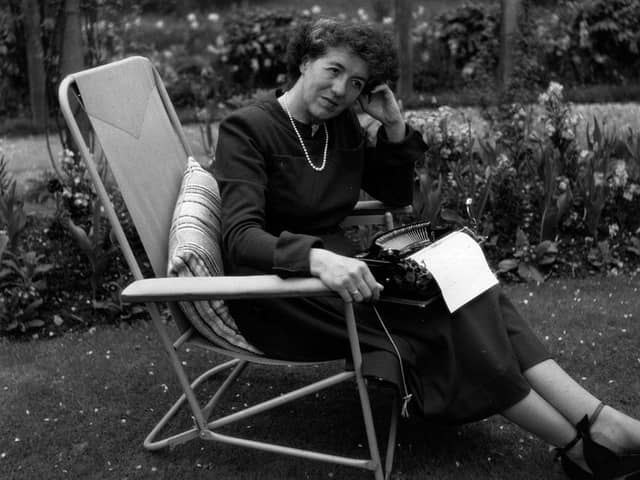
(601, 256)
(592, 181)
(12, 215)
(427, 196)
(4, 240)
(22, 282)
(528, 260)
(557, 197)
(95, 243)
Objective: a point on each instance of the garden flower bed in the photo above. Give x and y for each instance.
(555, 191)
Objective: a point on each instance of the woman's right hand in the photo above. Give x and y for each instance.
(349, 277)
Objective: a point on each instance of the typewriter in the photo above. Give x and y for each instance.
(405, 280)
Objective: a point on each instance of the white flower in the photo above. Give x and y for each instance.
(316, 9)
(191, 17)
(387, 20)
(598, 178)
(563, 185)
(620, 175)
(194, 25)
(549, 129)
(503, 161)
(306, 12)
(568, 134)
(213, 17)
(160, 24)
(543, 98)
(555, 89)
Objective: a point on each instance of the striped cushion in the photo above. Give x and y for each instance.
(194, 250)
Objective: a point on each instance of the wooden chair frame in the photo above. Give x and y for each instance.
(103, 95)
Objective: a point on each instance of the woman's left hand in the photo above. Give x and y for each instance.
(382, 105)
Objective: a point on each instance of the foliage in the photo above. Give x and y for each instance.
(13, 89)
(528, 260)
(23, 284)
(527, 179)
(459, 47)
(207, 57)
(21, 271)
(12, 216)
(71, 255)
(609, 46)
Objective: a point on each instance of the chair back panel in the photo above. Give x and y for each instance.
(145, 151)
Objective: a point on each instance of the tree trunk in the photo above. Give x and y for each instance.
(72, 55)
(35, 62)
(509, 33)
(405, 50)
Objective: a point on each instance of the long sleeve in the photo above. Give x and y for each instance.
(389, 167)
(241, 170)
(275, 207)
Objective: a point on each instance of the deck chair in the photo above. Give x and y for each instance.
(132, 123)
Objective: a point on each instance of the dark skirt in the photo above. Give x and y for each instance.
(460, 367)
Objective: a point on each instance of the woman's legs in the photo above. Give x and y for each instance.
(537, 416)
(612, 428)
(558, 388)
(534, 414)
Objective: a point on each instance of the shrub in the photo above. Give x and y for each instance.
(531, 184)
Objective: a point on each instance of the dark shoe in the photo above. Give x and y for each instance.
(573, 471)
(604, 463)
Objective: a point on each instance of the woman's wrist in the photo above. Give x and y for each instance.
(395, 130)
(316, 261)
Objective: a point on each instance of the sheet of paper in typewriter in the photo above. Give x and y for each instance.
(458, 266)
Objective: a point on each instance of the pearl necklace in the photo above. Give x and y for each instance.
(304, 148)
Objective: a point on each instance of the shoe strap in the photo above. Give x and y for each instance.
(561, 451)
(595, 413)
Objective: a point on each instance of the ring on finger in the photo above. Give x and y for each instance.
(355, 292)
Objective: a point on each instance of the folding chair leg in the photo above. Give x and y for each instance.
(187, 435)
(391, 442)
(237, 371)
(365, 404)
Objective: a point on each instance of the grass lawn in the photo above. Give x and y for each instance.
(79, 406)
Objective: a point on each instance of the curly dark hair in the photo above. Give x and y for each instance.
(370, 42)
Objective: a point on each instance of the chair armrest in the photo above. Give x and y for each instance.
(223, 287)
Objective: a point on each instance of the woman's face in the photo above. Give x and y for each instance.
(330, 84)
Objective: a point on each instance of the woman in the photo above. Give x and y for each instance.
(291, 168)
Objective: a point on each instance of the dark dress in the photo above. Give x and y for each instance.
(460, 367)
